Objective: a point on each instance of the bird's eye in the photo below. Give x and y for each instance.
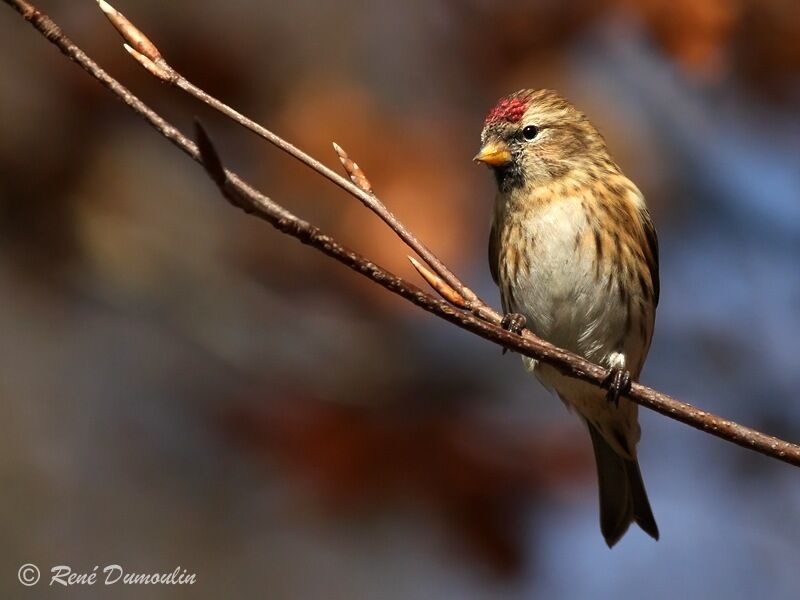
(529, 132)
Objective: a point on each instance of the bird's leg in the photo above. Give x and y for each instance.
(513, 322)
(618, 382)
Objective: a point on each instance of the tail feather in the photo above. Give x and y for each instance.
(642, 513)
(623, 498)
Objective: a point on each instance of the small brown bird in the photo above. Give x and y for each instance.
(575, 255)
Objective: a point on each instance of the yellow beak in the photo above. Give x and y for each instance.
(494, 154)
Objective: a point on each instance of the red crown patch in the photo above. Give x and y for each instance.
(508, 109)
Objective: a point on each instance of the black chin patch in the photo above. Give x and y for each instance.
(509, 177)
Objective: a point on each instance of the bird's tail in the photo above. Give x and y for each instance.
(623, 498)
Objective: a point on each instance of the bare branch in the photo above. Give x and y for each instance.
(244, 196)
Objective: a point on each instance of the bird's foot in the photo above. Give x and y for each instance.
(513, 322)
(618, 383)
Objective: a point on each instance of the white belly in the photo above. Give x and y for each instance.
(564, 296)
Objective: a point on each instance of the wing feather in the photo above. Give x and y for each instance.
(652, 258)
(494, 254)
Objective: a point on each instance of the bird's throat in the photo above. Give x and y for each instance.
(510, 178)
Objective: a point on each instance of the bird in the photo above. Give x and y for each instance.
(574, 252)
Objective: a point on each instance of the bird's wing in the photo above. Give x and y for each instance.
(494, 253)
(652, 258)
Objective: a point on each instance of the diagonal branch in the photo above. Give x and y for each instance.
(252, 201)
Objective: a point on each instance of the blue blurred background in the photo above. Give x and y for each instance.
(182, 385)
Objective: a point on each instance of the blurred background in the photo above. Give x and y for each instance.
(182, 385)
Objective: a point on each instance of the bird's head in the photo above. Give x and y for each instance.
(533, 137)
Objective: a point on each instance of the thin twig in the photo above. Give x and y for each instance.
(249, 199)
